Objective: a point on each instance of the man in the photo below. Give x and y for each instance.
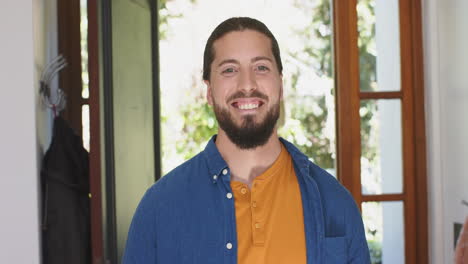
(250, 196)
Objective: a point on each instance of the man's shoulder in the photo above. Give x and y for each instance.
(195, 165)
(178, 178)
(328, 185)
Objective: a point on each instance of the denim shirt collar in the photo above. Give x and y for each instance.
(216, 163)
(300, 159)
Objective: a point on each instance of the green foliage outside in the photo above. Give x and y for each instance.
(164, 17)
(199, 125)
(375, 249)
(309, 114)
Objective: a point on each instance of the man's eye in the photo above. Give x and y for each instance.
(262, 68)
(228, 70)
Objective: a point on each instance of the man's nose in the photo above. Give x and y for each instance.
(247, 82)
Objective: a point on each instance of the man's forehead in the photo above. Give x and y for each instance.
(243, 41)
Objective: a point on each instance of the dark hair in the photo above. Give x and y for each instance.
(237, 24)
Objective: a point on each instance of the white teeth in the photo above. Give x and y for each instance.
(248, 106)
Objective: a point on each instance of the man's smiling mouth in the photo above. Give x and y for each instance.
(247, 104)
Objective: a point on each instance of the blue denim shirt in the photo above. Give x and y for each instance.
(188, 216)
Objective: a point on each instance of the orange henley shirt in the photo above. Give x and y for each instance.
(269, 217)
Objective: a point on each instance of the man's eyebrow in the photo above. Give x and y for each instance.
(258, 58)
(228, 61)
(255, 59)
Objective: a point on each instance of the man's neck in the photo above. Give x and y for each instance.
(246, 165)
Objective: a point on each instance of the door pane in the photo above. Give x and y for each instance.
(384, 226)
(85, 126)
(381, 146)
(304, 32)
(379, 45)
(133, 110)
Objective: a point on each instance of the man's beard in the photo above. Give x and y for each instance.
(250, 134)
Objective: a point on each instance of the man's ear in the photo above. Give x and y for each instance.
(209, 96)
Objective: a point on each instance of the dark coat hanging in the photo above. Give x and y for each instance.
(66, 202)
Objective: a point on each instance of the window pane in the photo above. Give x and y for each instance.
(381, 146)
(85, 125)
(379, 45)
(384, 226)
(84, 48)
(304, 32)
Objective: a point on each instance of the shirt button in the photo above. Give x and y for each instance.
(257, 225)
(215, 177)
(244, 190)
(229, 195)
(225, 171)
(254, 204)
(229, 246)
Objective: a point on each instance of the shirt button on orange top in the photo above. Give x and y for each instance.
(254, 204)
(244, 190)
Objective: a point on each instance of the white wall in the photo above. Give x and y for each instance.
(26, 41)
(446, 78)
